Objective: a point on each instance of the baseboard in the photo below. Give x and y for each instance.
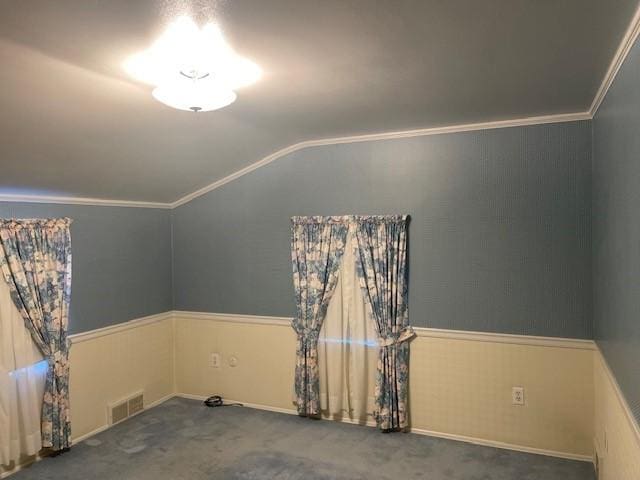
(256, 406)
(624, 405)
(84, 437)
(22, 466)
(419, 431)
(102, 428)
(503, 445)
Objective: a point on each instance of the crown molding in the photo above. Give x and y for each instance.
(628, 40)
(469, 127)
(624, 48)
(100, 202)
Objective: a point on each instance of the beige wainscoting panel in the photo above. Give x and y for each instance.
(458, 387)
(463, 388)
(265, 356)
(110, 365)
(617, 437)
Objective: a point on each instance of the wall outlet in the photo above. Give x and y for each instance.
(214, 360)
(233, 361)
(517, 395)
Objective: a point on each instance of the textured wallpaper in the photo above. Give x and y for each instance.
(499, 241)
(616, 228)
(121, 261)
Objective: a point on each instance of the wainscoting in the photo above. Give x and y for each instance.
(110, 364)
(617, 435)
(460, 385)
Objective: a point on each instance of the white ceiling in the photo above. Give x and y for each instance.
(73, 124)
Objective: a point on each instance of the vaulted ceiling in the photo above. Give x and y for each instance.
(73, 124)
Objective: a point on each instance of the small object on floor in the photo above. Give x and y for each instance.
(216, 401)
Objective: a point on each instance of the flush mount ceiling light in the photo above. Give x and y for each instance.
(192, 68)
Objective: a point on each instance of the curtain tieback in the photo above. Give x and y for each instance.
(58, 361)
(405, 334)
(308, 335)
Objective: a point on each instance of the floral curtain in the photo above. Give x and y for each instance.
(35, 259)
(317, 246)
(382, 268)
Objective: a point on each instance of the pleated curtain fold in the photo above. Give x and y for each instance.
(317, 249)
(382, 269)
(35, 260)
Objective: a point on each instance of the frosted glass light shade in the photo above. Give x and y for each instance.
(194, 95)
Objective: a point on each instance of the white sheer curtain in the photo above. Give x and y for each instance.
(347, 349)
(22, 378)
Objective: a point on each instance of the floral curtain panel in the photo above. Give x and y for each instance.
(382, 268)
(35, 259)
(317, 246)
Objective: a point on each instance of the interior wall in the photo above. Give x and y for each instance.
(617, 441)
(111, 366)
(616, 228)
(121, 260)
(499, 233)
(459, 388)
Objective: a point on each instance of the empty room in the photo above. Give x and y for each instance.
(320, 240)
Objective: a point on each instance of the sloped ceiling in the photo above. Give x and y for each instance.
(73, 124)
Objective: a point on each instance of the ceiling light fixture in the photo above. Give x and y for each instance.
(192, 68)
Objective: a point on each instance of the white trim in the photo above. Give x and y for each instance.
(119, 327)
(417, 431)
(24, 465)
(508, 338)
(517, 122)
(102, 428)
(234, 318)
(469, 127)
(506, 446)
(624, 48)
(256, 406)
(620, 396)
(99, 202)
(84, 437)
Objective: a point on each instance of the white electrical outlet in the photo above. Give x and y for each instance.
(214, 360)
(233, 361)
(517, 395)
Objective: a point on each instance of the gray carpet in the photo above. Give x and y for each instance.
(182, 439)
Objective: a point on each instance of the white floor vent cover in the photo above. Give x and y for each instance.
(125, 408)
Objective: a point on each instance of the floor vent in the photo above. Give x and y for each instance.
(118, 412)
(126, 408)
(136, 404)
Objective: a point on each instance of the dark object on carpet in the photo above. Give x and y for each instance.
(217, 401)
(184, 440)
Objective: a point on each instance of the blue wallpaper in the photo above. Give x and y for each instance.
(616, 228)
(121, 261)
(500, 236)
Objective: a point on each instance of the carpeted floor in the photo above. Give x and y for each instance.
(184, 440)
